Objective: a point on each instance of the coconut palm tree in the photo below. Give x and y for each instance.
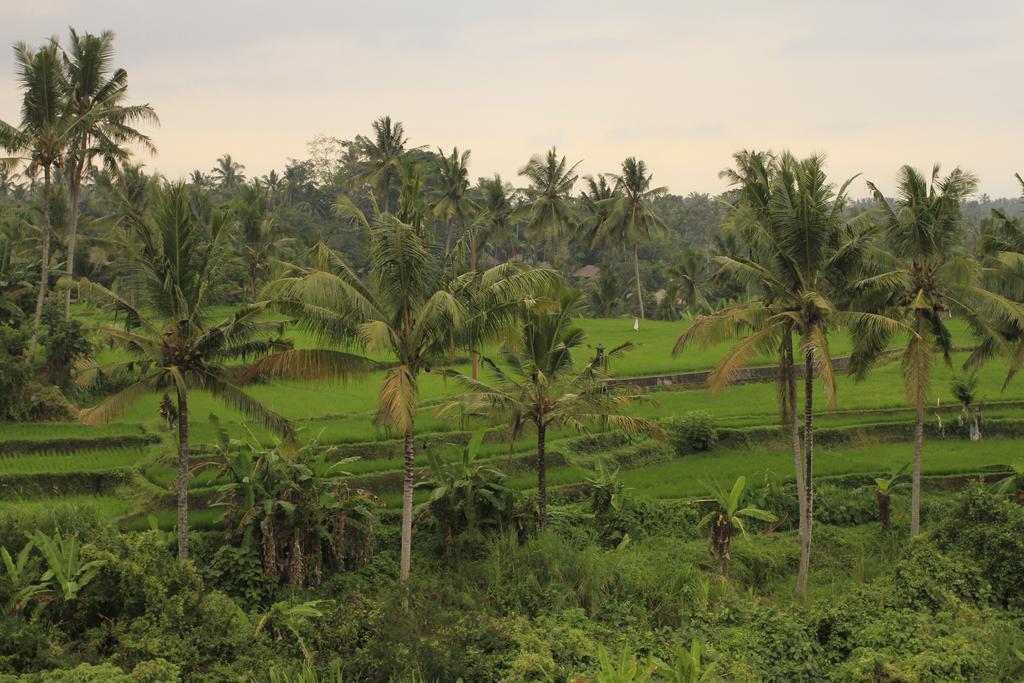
(259, 237)
(536, 383)
(631, 218)
(495, 199)
(381, 157)
(177, 253)
(924, 279)
(804, 257)
(41, 140)
(686, 279)
(96, 91)
(411, 311)
(228, 173)
(548, 212)
(452, 202)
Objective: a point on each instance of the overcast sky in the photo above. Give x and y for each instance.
(679, 84)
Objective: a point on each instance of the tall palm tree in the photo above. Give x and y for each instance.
(259, 237)
(228, 173)
(97, 91)
(412, 311)
(686, 279)
(381, 156)
(536, 383)
(549, 215)
(804, 257)
(178, 252)
(453, 203)
(631, 218)
(497, 212)
(43, 136)
(925, 277)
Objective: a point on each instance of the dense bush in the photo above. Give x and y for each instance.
(694, 431)
(989, 530)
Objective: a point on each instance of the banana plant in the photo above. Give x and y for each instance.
(1012, 485)
(465, 496)
(284, 617)
(22, 575)
(686, 666)
(727, 520)
(65, 567)
(885, 488)
(625, 670)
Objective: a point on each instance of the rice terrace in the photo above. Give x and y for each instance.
(645, 387)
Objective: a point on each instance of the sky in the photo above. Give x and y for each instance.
(682, 84)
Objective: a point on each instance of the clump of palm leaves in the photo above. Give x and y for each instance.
(297, 510)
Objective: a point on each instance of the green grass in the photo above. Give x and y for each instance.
(105, 507)
(94, 460)
(687, 476)
(39, 431)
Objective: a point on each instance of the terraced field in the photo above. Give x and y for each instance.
(125, 470)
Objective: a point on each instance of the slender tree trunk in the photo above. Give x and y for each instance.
(448, 239)
(636, 269)
(789, 368)
(474, 358)
(542, 478)
(884, 505)
(74, 194)
(44, 276)
(405, 561)
(915, 494)
(805, 540)
(182, 475)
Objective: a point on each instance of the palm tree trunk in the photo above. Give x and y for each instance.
(636, 269)
(789, 369)
(405, 561)
(805, 540)
(182, 475)
(44, 276)
(474, 358)
(542, 479)
(74, 194)
(915, 493)
(448, 240)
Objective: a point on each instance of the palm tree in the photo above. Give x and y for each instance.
(178, 252)
(686, 279)
(924, 280)
(200, 180)
(631, 218)
(549, 215)
(97, 92)
(726, 520)
(228, 172)
(259, 237)
(452, 202)
(804, 255)
(381, 157)
(46, 131)
(594, 204)
(412, 311)
(537, 384)
(497, 212)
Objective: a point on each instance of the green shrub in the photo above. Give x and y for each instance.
(695, 431)
(989, 530)
(239, 573)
